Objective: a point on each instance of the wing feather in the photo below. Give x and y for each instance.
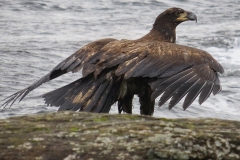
(182, 91)
(172, 88)
(69, 64)
(192, 95)
(97, 95)
(207, 90)
(172, 82)
(217, 87)
(126, 66)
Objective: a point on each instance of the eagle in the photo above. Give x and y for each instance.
(150, 67)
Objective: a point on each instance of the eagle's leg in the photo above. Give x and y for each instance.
(146, 104)
(125, 103)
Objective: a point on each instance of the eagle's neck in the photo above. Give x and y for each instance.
(162, 31)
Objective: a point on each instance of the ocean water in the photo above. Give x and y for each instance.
(37, 35)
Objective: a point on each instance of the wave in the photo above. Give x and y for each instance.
(229, 58)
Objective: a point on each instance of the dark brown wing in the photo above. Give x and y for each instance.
(73, 63)
(175, 70)
(87, 93)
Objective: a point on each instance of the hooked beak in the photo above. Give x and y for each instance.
(191, 16)
(187, 16)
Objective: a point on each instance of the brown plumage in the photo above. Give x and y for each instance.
(116, 70)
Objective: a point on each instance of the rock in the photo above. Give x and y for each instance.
(91, 136)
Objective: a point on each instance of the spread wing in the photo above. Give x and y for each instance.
(74, 63)
(174, 70)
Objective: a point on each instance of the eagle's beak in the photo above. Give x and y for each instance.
(187, 16)
(191, 16)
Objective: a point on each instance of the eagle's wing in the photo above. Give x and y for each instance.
(73, 63)
(175, 70)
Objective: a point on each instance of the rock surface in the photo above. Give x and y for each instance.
(90, 136)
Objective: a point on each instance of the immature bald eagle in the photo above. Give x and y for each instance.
(116, 70)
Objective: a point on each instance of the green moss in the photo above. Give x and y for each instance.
(166, 120)
(16, 141)
(74, 129)
(101, 119)
(11, 127)
(186, 125)
(129, 116)
(34, 129)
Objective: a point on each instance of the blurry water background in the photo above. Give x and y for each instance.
(35, 35)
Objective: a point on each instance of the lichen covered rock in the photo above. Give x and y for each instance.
(78, 135)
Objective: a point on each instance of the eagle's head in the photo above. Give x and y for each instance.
(173, 17)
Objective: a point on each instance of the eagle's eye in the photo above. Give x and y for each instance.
(180, 11)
